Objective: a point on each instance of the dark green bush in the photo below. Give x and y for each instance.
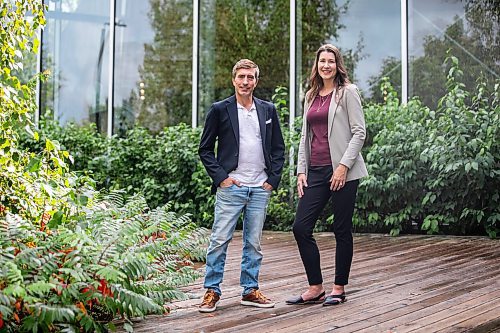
(430, 170)
(70, 259)
(163, 167)
(434, 170)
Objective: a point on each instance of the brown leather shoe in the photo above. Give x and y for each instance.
(257, 299)
(210, 301)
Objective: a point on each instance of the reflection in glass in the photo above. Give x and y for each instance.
(231, 30)
(133, 32)
(371, 50)
(469, 29)
(371, 42)
(318, 22)
(75, 49)
(154, 57)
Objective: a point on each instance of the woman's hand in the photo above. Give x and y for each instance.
(301, 183)
(338, 178)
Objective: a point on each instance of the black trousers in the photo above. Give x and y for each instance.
(315, 198)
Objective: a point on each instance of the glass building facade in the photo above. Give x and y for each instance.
(157, 63)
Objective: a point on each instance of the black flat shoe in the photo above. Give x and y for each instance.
(300, 301)
(334, 299)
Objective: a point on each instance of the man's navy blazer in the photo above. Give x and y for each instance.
(222, 126)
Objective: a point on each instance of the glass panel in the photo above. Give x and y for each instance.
(29, 61)
(75, 50)
(231, 30)
(153, 60)
(368, 34)
(469, 29)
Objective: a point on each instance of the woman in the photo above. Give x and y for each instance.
(329, 166)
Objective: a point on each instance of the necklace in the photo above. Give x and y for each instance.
(323, 101)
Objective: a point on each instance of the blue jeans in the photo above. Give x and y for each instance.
(229, 204)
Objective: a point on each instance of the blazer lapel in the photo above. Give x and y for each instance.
(333, 109)
(261, 114)
(232, 110)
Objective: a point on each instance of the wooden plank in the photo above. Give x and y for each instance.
(296, 327)
(420, 313)
(394, 281)
(484, 323)
(366, 312)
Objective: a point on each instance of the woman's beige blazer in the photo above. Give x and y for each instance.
(346, 134)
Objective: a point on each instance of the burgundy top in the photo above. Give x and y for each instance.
(317, 117)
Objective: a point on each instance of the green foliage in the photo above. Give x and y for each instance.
(71, 260)
(30, 184)
(430, 170)
(281, 209)
(435, 170)
(119, 258)
(164, 167)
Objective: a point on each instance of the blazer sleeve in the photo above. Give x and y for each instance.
(277, 151)
(301, 157)
(356, 124)
(206, 149)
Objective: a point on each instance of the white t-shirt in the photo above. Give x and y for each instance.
(251, 164)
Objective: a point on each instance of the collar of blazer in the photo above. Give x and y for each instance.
(232, 110)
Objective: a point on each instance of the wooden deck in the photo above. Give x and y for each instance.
(402, 284)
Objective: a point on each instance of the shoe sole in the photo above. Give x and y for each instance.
(208, 310)
(307, 302)
(257, 305)
(335, 304)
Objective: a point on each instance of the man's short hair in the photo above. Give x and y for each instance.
(247, 64)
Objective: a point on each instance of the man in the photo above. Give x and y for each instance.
(248, 165)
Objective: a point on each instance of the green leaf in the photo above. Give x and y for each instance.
(49, 145)
(56, 220)
(83, 200)
(40, 287)
(48, 190)
(34, 164)
(128, 327)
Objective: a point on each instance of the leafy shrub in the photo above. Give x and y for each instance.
(164, 167)
(70, 261)
(436, 170)
(281, 209)
(430, 170)
(119, 258)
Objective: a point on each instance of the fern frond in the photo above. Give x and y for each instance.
(5, 305)
(52, 314)
(10, 229)
(136, 267)
(109, 273)
(169, 295)
(135, 304)
(40, 288)
(115, 198)
(12, 273)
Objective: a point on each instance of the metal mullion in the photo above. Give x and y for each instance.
(404, 51)
(111, 75)
(194, 75)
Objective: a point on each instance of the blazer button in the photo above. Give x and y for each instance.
(235, 155)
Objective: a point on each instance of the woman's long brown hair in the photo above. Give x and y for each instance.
(315, 80)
